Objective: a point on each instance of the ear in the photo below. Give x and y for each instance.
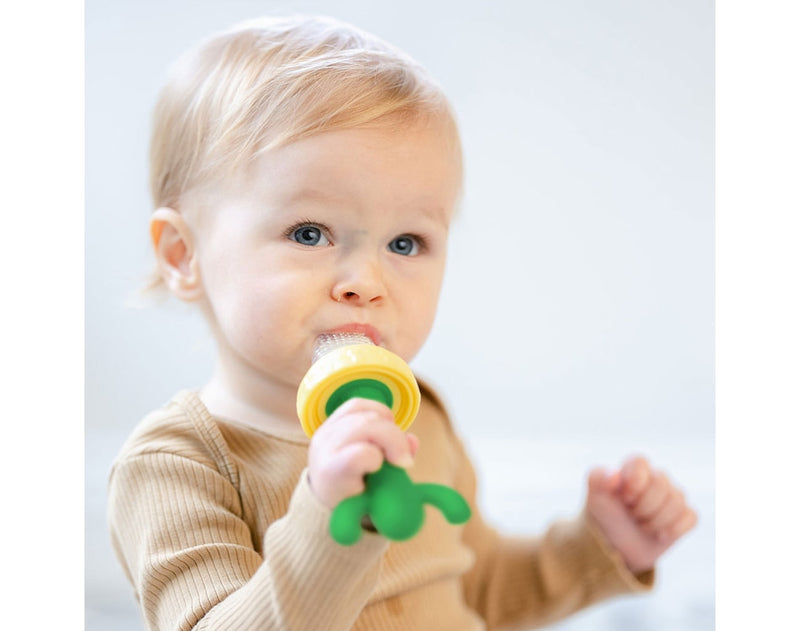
(175, 252)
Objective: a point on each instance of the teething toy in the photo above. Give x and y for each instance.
(348, 365)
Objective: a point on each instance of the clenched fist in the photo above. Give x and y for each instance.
(352, 442)
(639, 510)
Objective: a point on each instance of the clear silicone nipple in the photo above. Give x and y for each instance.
(328, 342)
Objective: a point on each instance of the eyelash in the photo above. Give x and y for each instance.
(304, 223)
(422, 241)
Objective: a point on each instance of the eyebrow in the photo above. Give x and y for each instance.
(312, 194)
(434, 213)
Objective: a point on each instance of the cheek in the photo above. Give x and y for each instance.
(253, 309)
(419, 312)
(241, 316)
(426, 316)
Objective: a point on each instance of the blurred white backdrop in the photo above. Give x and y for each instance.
(576, 324)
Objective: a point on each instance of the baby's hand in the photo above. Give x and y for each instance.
(640, 512)
(354, 441)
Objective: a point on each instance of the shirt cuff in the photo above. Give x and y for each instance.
(313, 518)
(610, 567)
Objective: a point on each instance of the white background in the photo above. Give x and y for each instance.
(576, 324)
(42, 266)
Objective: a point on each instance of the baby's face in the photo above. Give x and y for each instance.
(344, 230)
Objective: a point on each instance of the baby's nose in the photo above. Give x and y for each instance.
(361, 284)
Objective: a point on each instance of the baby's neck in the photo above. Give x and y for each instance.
(275, 414)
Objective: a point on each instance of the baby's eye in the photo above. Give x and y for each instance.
(405, 244)
(308, 234)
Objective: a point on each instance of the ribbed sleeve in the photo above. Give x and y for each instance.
(527, 582)
(178, 524)
(217, 528)
(307, 581)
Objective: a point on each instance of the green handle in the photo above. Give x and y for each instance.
(395, 505)
(392, 501)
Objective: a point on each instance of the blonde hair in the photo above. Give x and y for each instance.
(269, 82)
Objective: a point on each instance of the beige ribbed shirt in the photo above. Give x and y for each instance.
(216, 528)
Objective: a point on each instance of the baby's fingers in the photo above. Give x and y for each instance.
(371, 422)
(652, 498)
(674, 520)
(684, 523)
(669, 512)
(636, 477)
(390, 439)
(655, 502)
(413, 443)
(349, 465)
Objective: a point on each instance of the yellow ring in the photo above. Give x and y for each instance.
(348, 363)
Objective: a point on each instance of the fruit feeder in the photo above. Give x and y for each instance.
(349, 365)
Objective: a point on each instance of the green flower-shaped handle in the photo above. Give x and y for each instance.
(395, 505)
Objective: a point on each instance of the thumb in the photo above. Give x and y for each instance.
(413, 443)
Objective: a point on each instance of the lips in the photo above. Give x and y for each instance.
(364, 329)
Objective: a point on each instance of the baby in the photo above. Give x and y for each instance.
(305, 175)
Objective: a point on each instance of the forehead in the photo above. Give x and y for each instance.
(415, 166)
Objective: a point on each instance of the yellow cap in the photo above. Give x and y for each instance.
(349, 363)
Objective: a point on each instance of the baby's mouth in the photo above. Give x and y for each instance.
(358, 328)
(328, 342)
